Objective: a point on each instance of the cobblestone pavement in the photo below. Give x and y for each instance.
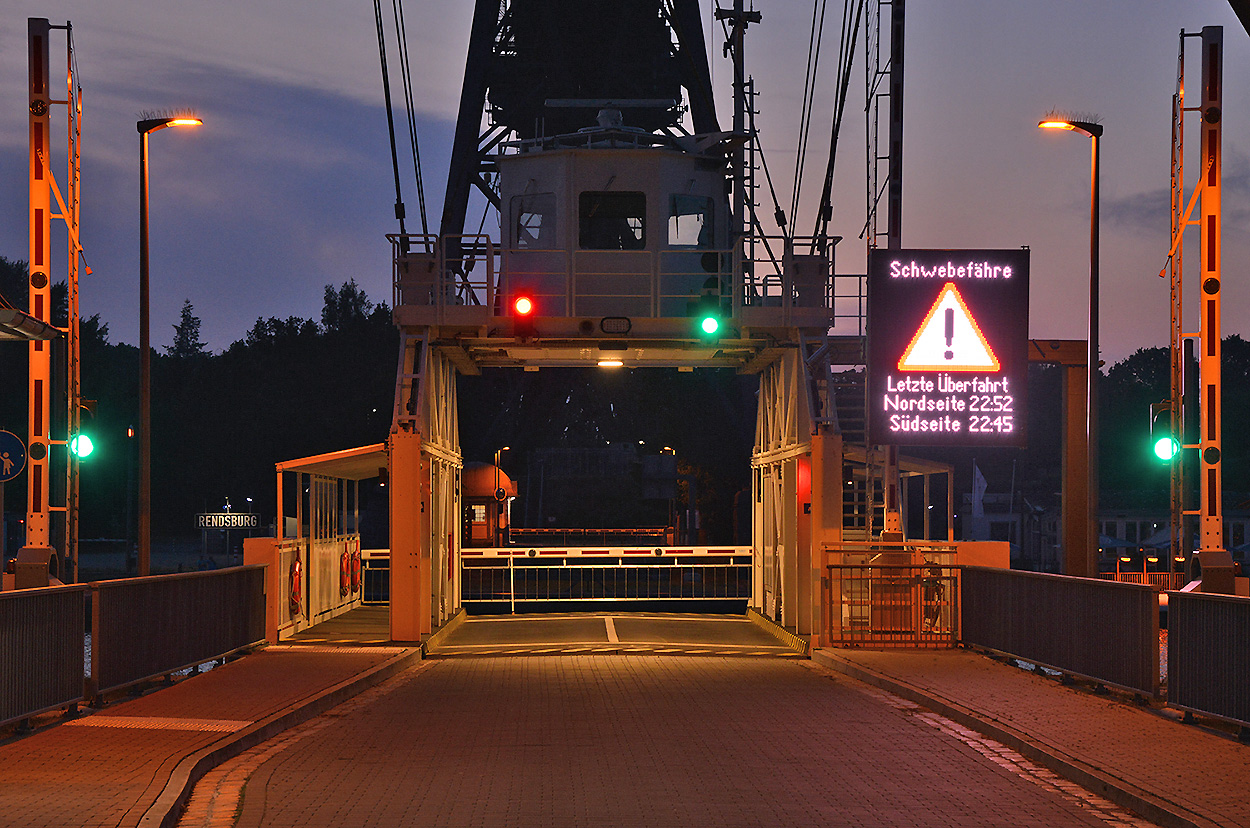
(620, 740)
(1200, 775)
(109, 768)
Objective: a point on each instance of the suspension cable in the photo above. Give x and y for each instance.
(846, 54)
(390, 118)
(406, 74)
(814, 40)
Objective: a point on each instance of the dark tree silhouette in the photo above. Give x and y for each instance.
(187, 343)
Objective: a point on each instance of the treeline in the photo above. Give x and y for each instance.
(295, 387)
(289, 388)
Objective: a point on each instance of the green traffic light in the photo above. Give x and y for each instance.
(81, 446)
(1166, 447)
(710, 324)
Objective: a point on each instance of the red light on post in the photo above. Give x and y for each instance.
(523, 318)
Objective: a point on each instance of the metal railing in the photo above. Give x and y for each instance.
(375, 576)
(900, 605)
(587, 537)
(515, 581)
(143, 628)
(471, 276)
(41, 650)
(449, 272)
(1162, 581)
(1100, 630)
(1209, 655)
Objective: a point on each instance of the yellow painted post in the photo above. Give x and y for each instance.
(410, 554)
(264, 551)
(1209, 443)
(826, 523)
(38, 522)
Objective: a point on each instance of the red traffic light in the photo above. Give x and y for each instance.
(523, 306)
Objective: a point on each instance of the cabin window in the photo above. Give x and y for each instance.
(535, 221)
(690, 221)
(612, 221)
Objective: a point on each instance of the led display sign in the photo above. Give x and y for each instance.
(948, 347)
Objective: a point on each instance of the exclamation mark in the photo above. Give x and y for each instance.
(950, 332)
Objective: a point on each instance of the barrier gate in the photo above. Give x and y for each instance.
(517, 578)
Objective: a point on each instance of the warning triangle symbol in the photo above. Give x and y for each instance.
(949, 339)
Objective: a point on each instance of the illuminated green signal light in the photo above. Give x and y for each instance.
(710, 325)
(81, 446)
(1166, 447)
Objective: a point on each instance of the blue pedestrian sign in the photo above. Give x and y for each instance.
(12, 456)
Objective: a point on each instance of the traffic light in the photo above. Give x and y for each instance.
(1163, 441)
(80, 444)
(523, 316)
(707, 311)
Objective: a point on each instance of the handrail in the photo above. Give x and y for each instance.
(219, 612)
(41, 656)
(1101, 630)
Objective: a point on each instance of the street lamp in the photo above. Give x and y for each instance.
(145, 127)
(1094, 132)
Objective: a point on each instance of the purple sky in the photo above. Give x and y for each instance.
(287, 187)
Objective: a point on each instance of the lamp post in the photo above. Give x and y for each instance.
(1094, 132)
(145, 127)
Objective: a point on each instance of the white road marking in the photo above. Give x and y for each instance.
(607, 622)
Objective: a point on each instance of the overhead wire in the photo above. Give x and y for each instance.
(406, 75)
(390, 118)
(846, 54)
(814, 41)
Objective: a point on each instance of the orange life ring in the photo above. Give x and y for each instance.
(295, 586)
(356, 568)
(344, 570)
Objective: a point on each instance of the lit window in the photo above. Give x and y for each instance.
(479, 513)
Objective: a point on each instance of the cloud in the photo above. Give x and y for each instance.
(285, 189)
(1147, 212)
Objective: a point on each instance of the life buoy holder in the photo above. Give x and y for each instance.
(294, 586)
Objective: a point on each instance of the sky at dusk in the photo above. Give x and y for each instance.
(287, 187)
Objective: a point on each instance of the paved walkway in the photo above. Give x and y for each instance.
(1140, 757)
(330, 734)
(132, 763)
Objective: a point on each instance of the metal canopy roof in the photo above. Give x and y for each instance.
(349, 464)
(20, 326)
(746, 355)
(631, 351)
